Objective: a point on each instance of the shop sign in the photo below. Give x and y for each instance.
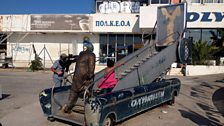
(119, 7)
(205, 16)
(112, 23)
(60, 22)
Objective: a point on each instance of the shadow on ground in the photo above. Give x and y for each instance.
(218, 100)
(4, 96)
(198, 119)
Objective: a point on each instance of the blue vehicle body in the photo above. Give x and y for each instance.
(118, 105)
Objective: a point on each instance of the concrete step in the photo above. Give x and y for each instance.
(175, 71)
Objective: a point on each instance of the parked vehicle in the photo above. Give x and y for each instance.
(110, 108)
(141, 84)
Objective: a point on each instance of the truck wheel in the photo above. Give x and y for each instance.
(108, 121)
(172, 101)
(51, 119)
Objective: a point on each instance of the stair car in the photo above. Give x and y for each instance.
(140, 86)
(108, 109)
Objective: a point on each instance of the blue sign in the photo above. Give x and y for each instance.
(195, 16)
(116, 23)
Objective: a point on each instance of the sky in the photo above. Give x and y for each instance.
(46, 6)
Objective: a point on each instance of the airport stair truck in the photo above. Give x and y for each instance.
(140, 79)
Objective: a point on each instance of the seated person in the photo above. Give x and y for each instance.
(109, 81)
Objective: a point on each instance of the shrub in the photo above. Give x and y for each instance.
(36, 64)
(202, 51)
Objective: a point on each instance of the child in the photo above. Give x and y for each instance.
(109, 81)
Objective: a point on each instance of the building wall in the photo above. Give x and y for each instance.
(50, 45)
(148, 16)
(206, 16)
(198, 16)
(20, 42)
(14, 23)
(203, 70)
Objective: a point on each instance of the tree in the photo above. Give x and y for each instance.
(218, 39)
(202, 51)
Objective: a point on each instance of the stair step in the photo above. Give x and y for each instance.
(127, 71)
(154, 53)
(136, 65)
(132, 68)
(123, 74)
(144, 60)
(148, 57)
(140, 62)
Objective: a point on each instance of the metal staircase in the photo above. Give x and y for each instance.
(142, 67)
(146, 68)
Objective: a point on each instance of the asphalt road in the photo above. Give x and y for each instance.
(201, 102)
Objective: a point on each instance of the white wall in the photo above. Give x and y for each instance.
(55, 44)
(145, 19)
(148, 16)
(203, 70)
(15, 22)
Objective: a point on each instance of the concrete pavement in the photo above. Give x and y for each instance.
(198, 103)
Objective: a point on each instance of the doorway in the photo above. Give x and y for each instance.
(117, 46)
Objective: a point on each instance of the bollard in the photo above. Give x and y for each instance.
(0, 92)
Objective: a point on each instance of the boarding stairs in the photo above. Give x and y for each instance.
(140, 68)
(143, 66)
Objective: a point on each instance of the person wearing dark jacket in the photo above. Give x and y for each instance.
(83, 75)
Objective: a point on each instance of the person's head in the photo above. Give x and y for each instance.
(63, 57)
(88, 46)
(110, 63)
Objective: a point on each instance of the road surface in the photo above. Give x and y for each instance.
(200, 102)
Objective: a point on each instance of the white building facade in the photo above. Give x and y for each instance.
(116, 29)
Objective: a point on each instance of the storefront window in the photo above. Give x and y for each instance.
(121, 48)
(195, 1)
(117, 46)
(213, 1)
(206, 34)
(208, 1)
(195, 33)
(164, 1)
(159, 1)
(112, 46)
(137, 42)
(103, 48)
(201, 34)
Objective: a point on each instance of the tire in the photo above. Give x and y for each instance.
(51, 119)
(108, 121)
(172, 101)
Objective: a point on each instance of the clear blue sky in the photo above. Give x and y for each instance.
(46, 6)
